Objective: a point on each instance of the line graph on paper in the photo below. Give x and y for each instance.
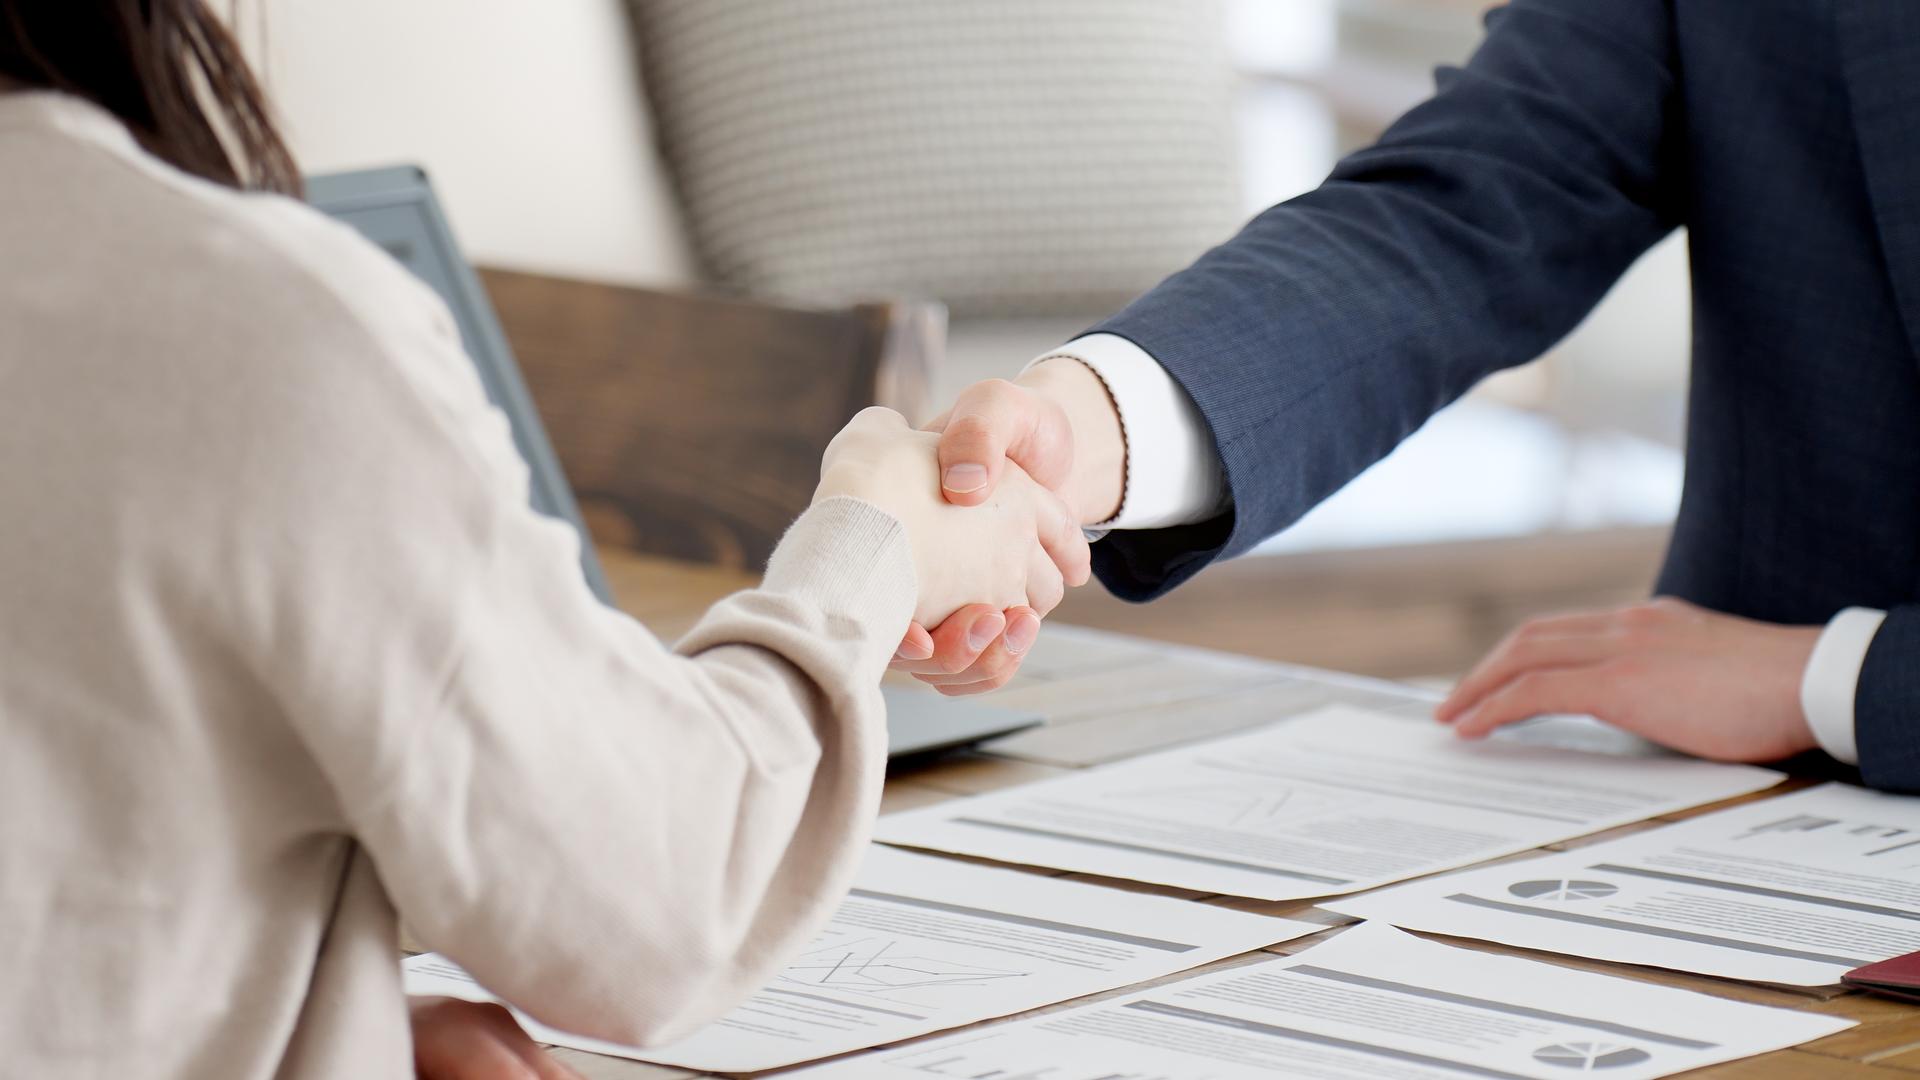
(884, 967)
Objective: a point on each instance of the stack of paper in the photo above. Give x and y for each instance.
(1796, 890)
(926, 944)
(1333, 802)
(1371, 1004)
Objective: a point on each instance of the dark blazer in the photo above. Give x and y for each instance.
(1784, 134)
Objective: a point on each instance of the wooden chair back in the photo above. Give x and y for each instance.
(691, 426)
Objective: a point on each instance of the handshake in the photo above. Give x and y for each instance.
(993, 496)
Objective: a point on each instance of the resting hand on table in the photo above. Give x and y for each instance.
(1017, 550)
(1712, 685)
(467, 1040)
(1056, 426)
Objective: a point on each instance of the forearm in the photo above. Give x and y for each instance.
(1481, 228)
(624, 841)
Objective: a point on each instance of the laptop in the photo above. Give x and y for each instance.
(396, 209)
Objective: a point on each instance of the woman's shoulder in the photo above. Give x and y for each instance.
(315, 273)
(252, 313)
(167, 243)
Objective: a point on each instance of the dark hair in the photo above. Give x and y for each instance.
(167, 68)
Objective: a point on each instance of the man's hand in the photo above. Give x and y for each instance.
(1021, 548)
(467, 1040)
(1057, 423)
(1697, 681)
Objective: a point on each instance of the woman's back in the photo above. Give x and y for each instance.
(274, 612)
(170, 855)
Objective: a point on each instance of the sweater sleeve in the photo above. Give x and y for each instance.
(621, 838)
(1480, 228)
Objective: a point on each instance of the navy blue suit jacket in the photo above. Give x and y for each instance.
(1784, 134)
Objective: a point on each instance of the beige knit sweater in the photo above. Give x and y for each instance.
(283, 652)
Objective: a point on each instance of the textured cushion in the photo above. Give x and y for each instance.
(1003, 156)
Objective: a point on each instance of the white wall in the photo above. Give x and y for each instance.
(528, 114)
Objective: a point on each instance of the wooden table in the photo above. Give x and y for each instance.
(1108, 696)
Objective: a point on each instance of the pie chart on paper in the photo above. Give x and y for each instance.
(1590, 1056)
(1563, 891)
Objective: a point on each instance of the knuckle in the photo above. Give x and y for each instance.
(1642, 616)
(999, 392)
(1045, 595)
(971, 434)
(969, 426)
(1624, 669)
(1530, 631)
(1530, 686)
(993, 665)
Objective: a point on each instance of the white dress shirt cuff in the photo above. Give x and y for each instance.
(1832, 676)
(1174, 475)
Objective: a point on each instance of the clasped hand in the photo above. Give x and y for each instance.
(994, 493)
(1013, 555)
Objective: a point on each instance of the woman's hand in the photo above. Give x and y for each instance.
(1697, 681)
(467, 1040)
(1058, 424)
(1018, 549)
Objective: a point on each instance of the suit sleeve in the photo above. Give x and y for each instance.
(1886, 716)
(1481, 228)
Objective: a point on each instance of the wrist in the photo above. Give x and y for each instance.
(1798, 730)
(1098, 481)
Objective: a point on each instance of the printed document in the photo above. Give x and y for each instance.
(925, 944)
(1370, 1004)
(1336, 801)
(1796, 890)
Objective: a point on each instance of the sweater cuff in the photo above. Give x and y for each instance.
(848, 558)
(1887, 704)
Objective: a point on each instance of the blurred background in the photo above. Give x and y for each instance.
(979, 180)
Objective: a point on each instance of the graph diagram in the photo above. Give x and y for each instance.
(1562, 891)
(881, 967)
(1590, 1056)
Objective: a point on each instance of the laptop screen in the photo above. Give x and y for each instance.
(396, 209)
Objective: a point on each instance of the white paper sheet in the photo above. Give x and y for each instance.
(1795, 890)
(925, 944)
(1371, 1004)
(1332, 802)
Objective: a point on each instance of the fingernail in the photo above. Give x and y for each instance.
(961, 479)
(913, 650)
(984, 630)
(1021, 633)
